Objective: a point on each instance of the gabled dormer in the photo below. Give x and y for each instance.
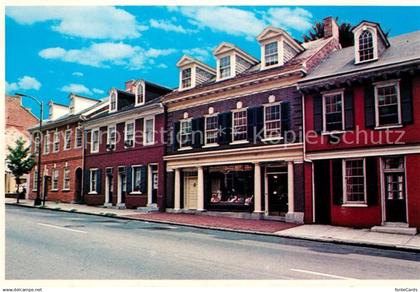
(119, 100)
(231, 61)
(193, 72)
(79, 103)
(57, 110)
(369, 42)
(277, 47)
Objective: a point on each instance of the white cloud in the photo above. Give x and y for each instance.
(96, 22)
(24, 83)
(78, 74)
(287, 18)
(199, 53)
(98, 91)
(76, 88)
(106, 54)
(162, 66)
(168, 26)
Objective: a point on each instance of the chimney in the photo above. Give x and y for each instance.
(129, 86)
(330, 28)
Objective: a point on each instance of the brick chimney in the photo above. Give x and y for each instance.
(330, 28)
(129, 86)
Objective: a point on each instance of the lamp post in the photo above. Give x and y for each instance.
(37, 201)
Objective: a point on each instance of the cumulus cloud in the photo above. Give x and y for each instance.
(78, 74)
(98, 91)
(94, 22)
(288, 18)
(106, 54)
(24, 83)
(168, 26)
(162, 66)
(201, 54)
(76, 88)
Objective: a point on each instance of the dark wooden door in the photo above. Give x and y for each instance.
(395, 198)
(322, 192)
(277, 194)
(110, 188)
(155, 183)
(79, 185)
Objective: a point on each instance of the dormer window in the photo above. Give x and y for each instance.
(366, 46)
(224, 67)
(140, 94)
(271, 54)
(186, 78)
(113, 102)
(193, 72)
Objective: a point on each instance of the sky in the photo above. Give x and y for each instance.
(52, 51)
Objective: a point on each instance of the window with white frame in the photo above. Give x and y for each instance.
(78, 139)
(333, 112)
(67, 139)
(112, 136)
(129, 134)
(354, 181)
(37, 141)
(149, 131)
(54, 183)
(366, 46)
(56, 143)
(94, 140)
(35, 181)
(388, 105)
(186, 78)
(211, 129)
(185, 133)
(240, 125)
(66, 178)
(272, 121)
(271, 54)
(394, 176)
(113, 101)
(136, 178)
(224, 67)
(140, 94)
(93, 177)
(47, 143)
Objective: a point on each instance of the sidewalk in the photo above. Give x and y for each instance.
(324, 233)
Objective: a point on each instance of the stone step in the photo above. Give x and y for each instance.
(148, 209)
(395, 230)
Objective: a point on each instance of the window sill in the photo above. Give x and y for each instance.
(92, 193)
(136, 193)
(354, 205)
(149, 144)
(272, 139)
(210, 145)
(388, 127)
(239, 142)
(265, 67)
(185, 148)
(55, 190)
(66, 190)
(332, 133)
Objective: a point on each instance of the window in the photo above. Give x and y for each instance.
(333, 112)
(140, 94)
(354, 181)
(78, 138)
(185, 133)
(56, 145)
(35, 182)
(388, 104)
(211, 129)
(37, 141)
(94, 141)
(112, 137)
(272, 121)
(149, 131)
(47, 143)
(394, 174)
(271, 54)
(366, 46)
(137, 178)
(129, 134)
(67, 139)
(113, 101)
(93, 177)
(224, 67)
(240, 126)
(54, 185)
(66, 178)
(186, 78)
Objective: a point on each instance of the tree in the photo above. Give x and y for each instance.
(20, 162)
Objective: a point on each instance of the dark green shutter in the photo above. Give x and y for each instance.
(370, 106)
(349, 109)
(337, 182)
(129, 179)
(143, 177)
(251, 123)
(259, 122)
(372, 182)
(197, 126)
(285, 119)
(98, 180)
(317, 99)
(86, 181)
(406, 93)
(175, 138)
(225, 125)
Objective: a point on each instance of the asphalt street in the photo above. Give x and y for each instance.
(45, 244)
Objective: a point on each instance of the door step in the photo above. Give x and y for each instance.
(149, 209)
(395, 228)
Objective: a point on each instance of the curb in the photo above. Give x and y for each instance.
(326, 240)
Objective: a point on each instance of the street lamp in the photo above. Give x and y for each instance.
(38, 183)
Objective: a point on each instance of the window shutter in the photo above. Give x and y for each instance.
(406, 101)
(225, 124)
(175, 138)
(370, 106)
(86, 181)
(143, 177)
(317, 99)
(251, 123)
(259, 122)
(98, 180)
(372, 181)
(337, 181)
(129, 179)
(197, 126)
(349, 109)
(285, 119)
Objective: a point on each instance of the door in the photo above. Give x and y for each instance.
(322, 192)
(110, 187)
(190, 193)
(155, 183)
(277, 194)
(395, 195)
(79, 185)
(123, 186)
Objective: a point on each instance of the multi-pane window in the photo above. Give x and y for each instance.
(272, 121)
(333, 112)
(271, 54)
(137, 178)
(388, 112)
(37, 141)
(47, 143)
(78, 138)
(93, 174)
(224, 67)
(66, 178)
(185, 133)
(365, 46)
(113, 101)
(112, 136)
(211, 129)
(67, 139)
(394, 174)
(54, 185)
(35, 182)
(56, 144)
(149, 131)
(94, 140)
(240, 126)
(129, 134)
(354, 181)
(186, 78)
(140, 94)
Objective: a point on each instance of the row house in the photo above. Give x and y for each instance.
(362, 126)
(62, 150)
(236, 130)
(125, 148)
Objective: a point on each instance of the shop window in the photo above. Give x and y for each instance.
(354, 181)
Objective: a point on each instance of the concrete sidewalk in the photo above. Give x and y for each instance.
(324, 233)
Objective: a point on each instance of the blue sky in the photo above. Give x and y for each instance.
(51, 51)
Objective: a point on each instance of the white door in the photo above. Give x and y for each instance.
(190, 193)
